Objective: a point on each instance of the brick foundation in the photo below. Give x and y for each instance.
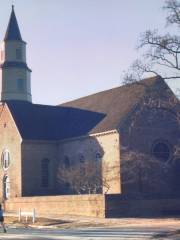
(84, 205)
(96, 205)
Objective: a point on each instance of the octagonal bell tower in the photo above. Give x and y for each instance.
(15, 76)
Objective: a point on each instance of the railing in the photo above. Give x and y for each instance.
(27, 214)
(20, 214)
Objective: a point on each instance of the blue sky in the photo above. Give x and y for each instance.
(79, 47)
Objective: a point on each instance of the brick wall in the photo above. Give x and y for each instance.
(141, 171)
(11, 140)
(85, 205)
(118, 206)
(107, 144)
(33, 152)
(96, 205)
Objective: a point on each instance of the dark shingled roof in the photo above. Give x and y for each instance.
(42, 122)
(12, 32)
(96, 113)
(115, 103)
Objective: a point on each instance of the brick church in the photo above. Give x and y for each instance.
(132, 130)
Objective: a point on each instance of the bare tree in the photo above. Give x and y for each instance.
(160, 52)
(144, 174)
(152, 111)
(173, 7)
(160, 57)
(84, 177)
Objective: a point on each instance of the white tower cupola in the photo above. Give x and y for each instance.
(15, 76)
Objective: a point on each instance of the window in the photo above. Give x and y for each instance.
(18, 54)
(45, 172)
(81, 158)
(161, 150)
(98, 157)
(20, 84)
(6, 187)
(66, 162)
(82, 164)
(5, 159)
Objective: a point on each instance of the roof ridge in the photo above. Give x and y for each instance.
(111, 89)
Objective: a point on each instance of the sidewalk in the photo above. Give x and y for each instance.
(64, 221)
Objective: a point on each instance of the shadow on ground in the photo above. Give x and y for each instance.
(168, 234)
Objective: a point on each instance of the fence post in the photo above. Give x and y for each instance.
(34, 215)
(19, 215)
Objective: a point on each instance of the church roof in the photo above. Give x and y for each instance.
(42, 122)
(12, 32)
(96, 113)
(116, 103)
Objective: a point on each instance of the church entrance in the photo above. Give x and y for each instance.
(6, 187)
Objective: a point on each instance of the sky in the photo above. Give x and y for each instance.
(79, 47)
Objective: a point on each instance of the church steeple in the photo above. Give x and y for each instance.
(13, 32)
(15, 76)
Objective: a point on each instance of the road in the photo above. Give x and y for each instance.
(88, 234)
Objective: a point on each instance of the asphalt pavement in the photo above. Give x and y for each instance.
(88, 234)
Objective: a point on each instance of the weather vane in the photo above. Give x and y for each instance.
(12, 3)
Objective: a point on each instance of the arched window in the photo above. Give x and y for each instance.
(6, 187)
(98, 157)
(66, 162)
(161, 150)
(81, 158)
(5, 159)
(45, 172)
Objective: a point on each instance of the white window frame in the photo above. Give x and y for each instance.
(5, 159)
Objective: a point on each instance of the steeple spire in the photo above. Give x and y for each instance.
(15, 76)
(13, 32)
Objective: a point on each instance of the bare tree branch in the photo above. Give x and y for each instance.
(87, 177)
(173, 9)
(161, 53)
